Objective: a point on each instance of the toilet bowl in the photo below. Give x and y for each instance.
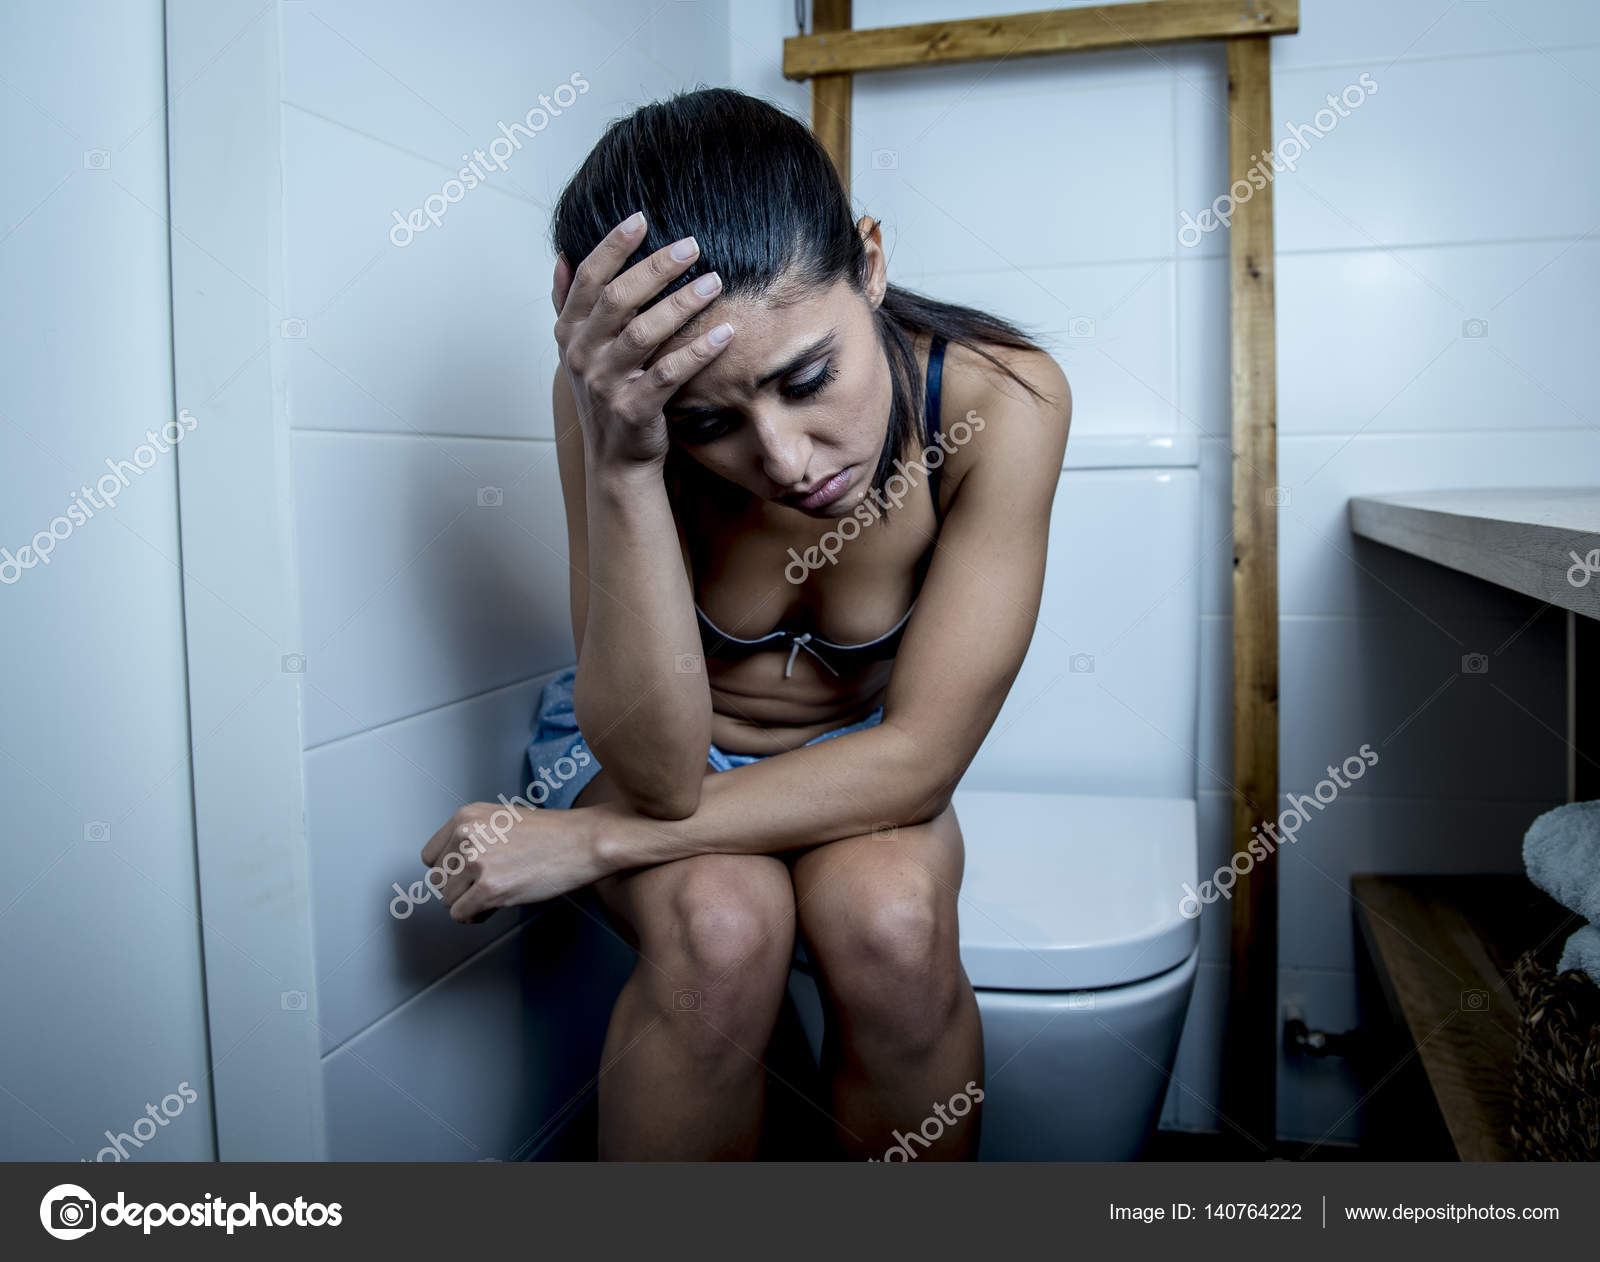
(1082, 963)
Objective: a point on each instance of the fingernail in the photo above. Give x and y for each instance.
(685, 249)
(708, 284)
(721, 334)
(633, 222)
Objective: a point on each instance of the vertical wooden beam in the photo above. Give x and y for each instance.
(830, 93)
(1251, 1057)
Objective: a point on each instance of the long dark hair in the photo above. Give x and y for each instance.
(759, 193)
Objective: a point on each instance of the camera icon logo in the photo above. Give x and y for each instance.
(293, 1000)
(1080, 1001)
(686, 1001)
(885, 160)
(96, 159)
(1474, 328)
(292, 327)
(1081, 663)
(1278, 496)
(97, 830)
(1475, 664)
(67, 1212)
(1474, 1001)
(687, 663)
(490, 497)
(294, 663)
(1082, 326)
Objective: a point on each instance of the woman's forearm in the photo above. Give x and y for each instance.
(851, 785)
(641, 696)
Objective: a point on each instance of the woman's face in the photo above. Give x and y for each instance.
(796, 410)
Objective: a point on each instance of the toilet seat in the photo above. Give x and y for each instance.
(1074, 892)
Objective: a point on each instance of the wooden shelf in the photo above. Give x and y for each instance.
(1442, 948)
(1520, 538)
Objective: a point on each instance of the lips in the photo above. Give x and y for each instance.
(823, 494)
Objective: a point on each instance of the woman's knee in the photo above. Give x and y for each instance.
(729, 925)
(889, 952)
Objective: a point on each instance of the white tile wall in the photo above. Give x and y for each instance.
(490, 1062)
(395, 341)
(372, 802)
(1400, 314)
(419, 588)
(1382, 31)
(1205, 383)
(1429, 129)
(952, 200)
(1400, 685)
(1199, 113)
(1110, 329)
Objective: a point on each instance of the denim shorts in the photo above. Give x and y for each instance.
(560, 765)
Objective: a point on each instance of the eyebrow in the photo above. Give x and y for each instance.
(806, 355)
(801, 360)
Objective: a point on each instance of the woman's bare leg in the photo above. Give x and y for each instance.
(904, 1038)
(681, 1075)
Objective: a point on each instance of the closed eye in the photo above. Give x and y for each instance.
(701, 425)
(813, 384)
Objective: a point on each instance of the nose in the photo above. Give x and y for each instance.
(785, 450)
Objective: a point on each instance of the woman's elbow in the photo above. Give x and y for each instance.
(936, 803)
(676, 801)
(660, 790)
(924, 780)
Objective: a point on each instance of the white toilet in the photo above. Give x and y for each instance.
(1079, 820)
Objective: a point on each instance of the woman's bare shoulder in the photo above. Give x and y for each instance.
(1017, 425)
(973, 380)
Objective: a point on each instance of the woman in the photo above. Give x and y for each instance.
(807, 515)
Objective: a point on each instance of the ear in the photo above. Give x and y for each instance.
(561, 282)
(877, 260)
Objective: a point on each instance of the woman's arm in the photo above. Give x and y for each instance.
(647, 721)
(640, 697)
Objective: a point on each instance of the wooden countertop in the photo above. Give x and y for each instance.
(1521, 538)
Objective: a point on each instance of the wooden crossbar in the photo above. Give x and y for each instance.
(835, 49)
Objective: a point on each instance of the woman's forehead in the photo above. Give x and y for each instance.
(766, 336)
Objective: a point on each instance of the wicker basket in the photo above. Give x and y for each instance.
(1556, 1112)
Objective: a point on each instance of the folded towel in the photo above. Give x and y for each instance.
(1583, 952)
(1562, 854)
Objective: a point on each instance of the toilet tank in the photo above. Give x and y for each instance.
(1107, 699)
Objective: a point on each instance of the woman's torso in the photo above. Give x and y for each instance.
(741, 565)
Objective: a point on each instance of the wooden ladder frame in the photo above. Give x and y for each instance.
(830, 57)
